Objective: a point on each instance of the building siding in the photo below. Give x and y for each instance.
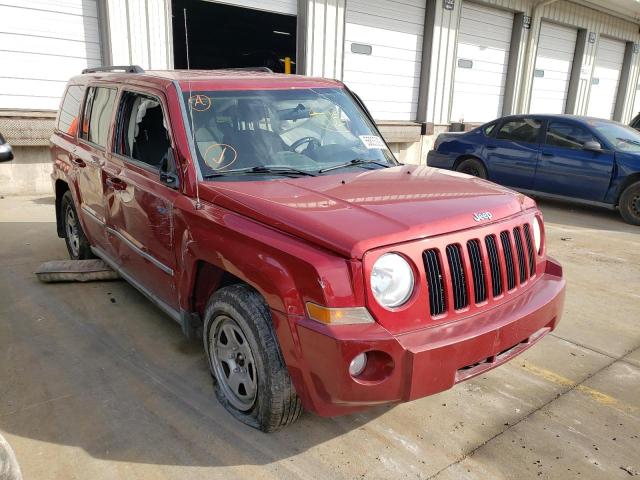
(38, 56)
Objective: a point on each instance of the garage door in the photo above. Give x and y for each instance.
(288, 7)
(43, 44)
(552, 73)
(382, 55)
(484, 37)
(605, 78)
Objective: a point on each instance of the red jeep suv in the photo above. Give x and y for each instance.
(266, 214)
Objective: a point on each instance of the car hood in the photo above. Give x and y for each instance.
(353, 212)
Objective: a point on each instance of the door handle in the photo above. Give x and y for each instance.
(76, 161)
(547, 154)
(116, 183)
(491, 147)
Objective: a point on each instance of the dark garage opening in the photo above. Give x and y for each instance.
(225, 36)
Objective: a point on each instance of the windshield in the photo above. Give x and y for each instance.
(291, 132)
(622, 137)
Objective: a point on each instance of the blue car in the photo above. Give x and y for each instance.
(590, 160)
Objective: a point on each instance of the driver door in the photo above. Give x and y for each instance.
(566, 168)
(140, 207)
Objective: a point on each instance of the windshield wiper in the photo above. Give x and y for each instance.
(261, 169)
(354, 162)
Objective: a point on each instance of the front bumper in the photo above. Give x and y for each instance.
(423, 362)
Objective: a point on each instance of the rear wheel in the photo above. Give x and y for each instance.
(250, 377)
(630, 204)
(472, 166)
(77, 242)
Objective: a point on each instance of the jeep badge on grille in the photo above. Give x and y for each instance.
(478, 217)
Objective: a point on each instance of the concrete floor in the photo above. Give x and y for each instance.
(95, 382)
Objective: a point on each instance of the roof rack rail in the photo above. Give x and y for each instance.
(112, 68)
(250, 69)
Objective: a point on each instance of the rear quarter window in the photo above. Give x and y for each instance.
(96, 119)
(68, 116)
(520, 130)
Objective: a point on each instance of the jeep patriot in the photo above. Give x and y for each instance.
(266, 214)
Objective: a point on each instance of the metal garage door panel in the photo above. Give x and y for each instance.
(39, 56)
(287, 7)
(554, 61)
(605, 78)
(484, 37)
(387, 79)
(636, 103)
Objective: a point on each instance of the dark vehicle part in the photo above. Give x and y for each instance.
(77, 243)
(630, 204)
(250, 377)
(472, 166)
(6, 152)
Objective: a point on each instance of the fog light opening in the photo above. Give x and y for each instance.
(358, 364)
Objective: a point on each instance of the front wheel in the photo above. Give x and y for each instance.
(472, 166)
(630, 204)
(250, 377)
(77, 242)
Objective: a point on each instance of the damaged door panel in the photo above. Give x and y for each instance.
(140, 207)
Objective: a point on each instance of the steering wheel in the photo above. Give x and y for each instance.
(301, 141)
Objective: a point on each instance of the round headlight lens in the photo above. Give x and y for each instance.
(391, 280)
(537, 234)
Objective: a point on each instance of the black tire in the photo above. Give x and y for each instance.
(77, 243)
(630, 204)
(269, 400)
(472, 166)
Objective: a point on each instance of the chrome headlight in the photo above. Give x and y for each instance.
(537, 234)
(391, 280)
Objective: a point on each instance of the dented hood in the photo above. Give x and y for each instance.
(351, 213)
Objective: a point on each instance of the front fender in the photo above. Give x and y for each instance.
(287, 271)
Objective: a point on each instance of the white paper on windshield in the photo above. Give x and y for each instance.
(373, 142)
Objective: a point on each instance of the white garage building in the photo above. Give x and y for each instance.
(421, 66)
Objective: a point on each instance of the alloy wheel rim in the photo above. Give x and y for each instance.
(233, 363)
(71, 224)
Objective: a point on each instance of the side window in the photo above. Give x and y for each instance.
(489, 128)
(70, 110)
(142, 134)
(521, 130)
(560, 134)
(96, 118)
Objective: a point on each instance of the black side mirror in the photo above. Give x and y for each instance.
(6, 153)
(168, 173)
(592, 146)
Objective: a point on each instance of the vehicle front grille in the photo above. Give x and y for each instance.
(494, 264)
(477, 268)
(454, 256)
(532, 257)
(483, 269)
(435, 280)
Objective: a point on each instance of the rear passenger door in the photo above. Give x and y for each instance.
(512, 152)
(140, 206)
(567, 169)
(88, 159)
